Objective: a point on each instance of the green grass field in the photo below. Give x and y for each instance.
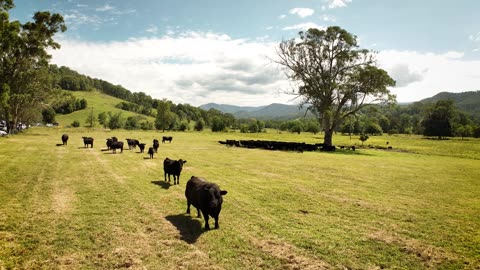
(66, 207)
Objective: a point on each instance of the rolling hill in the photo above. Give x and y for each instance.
(465, 101)
(97, 102)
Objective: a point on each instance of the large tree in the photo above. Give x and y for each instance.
(24, 80)
(165, 116)
(332, 75)
(438, 119)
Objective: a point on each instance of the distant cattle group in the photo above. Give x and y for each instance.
(279, 145)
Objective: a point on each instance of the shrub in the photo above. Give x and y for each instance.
(75, 123)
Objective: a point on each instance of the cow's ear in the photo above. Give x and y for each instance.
(223, 192)
(184, 161)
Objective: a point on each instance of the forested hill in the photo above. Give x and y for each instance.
(466, 101)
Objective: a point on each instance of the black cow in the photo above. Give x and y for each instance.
(64, 139)
(87, 141)
(151, 151)
(156, 144)
(206, 197)
(117, 145)
(173, 167)
(109, 143)
(142, 147)
(167, 138)
(132, 143)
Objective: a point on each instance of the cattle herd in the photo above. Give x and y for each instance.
(285, 146)
(205, 196)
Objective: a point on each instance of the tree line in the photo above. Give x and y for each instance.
(337, 80)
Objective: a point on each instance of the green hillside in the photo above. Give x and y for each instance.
(465, 101)
(98, 102)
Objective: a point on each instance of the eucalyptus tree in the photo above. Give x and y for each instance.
(24, 80)
(332, 75)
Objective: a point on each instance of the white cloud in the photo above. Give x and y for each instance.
(303, 26)
(302, 12)
(475, 37)
(283, 16)
(106, 7)
(422, 75)
(152, 29)
(190, 67)
(328, 18)
(336, 3)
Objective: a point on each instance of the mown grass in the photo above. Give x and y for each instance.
(66, 207)
(98, 102)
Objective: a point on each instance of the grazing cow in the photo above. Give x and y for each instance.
(206, 197)
(87, 141)
(156, 144)
(167, 138)
(142, 147)
(117, 145)
(173, 167)
(64, 139)
(151, 151)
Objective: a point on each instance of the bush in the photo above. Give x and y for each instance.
(183, 126)
(199, 125)
(75, 123)
(48, 115)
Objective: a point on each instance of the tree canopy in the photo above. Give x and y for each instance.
(24, 79)
(332, 75)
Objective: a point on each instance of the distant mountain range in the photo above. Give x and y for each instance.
(465, 101)
(274, 111)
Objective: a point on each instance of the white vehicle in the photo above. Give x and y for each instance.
(3, 133)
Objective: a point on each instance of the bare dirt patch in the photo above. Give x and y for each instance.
(63, 199)
(289, 255)
(431, 256)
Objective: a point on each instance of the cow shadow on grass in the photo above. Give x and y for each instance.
(190, 228)
(163, 184)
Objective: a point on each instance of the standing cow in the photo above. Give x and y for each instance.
(156, 144)
(173, 167)
(142, 147)
(87, 141)
(117, 145)
(206, 197)
(167, 139)
(64, 139)
(150, 152)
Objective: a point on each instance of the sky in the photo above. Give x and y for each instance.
(223, 51)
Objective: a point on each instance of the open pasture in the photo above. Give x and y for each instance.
(67, 207)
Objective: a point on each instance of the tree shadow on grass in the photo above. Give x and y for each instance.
(163, 184)
(190, 229)
(351, 153)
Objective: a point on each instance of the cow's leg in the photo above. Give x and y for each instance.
(205, 217)
(188, 207)
(216, 222)
(165, 176)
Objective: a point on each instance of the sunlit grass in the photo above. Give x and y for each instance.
(413, 207)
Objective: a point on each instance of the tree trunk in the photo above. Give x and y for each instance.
(327, 127)
(327, 140)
